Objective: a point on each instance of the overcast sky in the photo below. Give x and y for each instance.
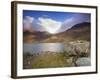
(52, 22)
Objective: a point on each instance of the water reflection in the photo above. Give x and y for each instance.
(40, 47)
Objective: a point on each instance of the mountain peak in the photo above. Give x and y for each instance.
(81, 25)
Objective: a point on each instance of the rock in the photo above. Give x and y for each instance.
(82, 48)
(69, 49)
(70, 61)
(84, 61)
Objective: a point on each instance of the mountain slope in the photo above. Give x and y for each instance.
(79, 31)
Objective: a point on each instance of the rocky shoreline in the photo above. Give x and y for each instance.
(74, 54)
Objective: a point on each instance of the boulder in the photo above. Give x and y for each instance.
(78, 48)
(84, 61)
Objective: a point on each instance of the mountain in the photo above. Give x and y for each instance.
(79, 31)
(35, 36)
(81, 25)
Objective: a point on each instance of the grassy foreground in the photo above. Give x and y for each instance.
(45, 60)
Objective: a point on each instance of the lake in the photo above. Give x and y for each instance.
(40, 47)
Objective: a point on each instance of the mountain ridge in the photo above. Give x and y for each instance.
(80, 31)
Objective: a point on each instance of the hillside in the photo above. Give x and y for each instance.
(79, 31)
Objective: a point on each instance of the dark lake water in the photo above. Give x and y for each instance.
(40, 47)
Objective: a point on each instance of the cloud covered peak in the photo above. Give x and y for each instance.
(50, 25)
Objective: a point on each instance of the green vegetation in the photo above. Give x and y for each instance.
(47, 60)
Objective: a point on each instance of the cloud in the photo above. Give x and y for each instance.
(50, 25)
(30, 23)
(27, 22)
(68, 23)
(75, 19)
(53, 26)
(45, 16)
